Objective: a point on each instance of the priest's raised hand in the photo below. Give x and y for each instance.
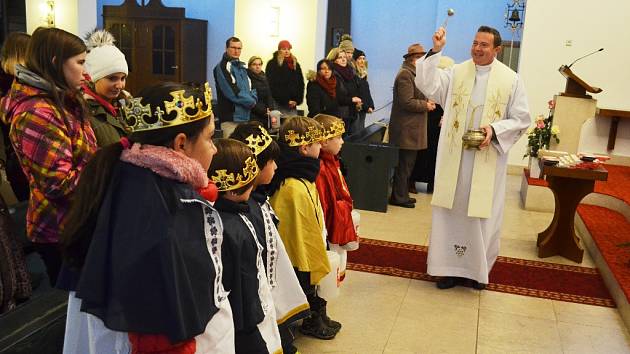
(439, 39)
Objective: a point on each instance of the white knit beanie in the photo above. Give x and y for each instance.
(103, 58)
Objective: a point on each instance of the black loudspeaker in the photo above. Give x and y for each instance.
(369, 165)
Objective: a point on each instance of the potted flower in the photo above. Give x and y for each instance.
(539, 137)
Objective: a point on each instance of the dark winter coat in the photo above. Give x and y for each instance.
(264, 101)
(348, 108)
(286, 84)
(365, 94)
(319, 101)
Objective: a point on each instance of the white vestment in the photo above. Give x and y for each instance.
(460, 245)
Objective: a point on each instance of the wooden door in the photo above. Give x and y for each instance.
(125, 34)
(161, 54)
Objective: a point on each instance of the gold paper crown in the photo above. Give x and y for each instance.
(336, 129)
(313, 135)
(229, 181)
(259, 143)
(141, 117)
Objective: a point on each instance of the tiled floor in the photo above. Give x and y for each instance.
(383, 314)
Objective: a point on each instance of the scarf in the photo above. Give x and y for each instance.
(292, 165)
(108, 106)
(330, 85)
(70, 100)
(167, 163)
(290, 62)
(361, 72)
(346, 72)
(261, 77)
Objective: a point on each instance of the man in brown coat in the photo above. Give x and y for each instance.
(407, 125)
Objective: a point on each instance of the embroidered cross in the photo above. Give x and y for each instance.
(460, 250)
(458, 97)
(496, 107)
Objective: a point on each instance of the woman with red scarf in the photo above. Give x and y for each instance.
(104, 91)
(324, 92)
(285, 79)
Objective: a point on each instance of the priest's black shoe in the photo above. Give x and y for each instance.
(477, 285)
(413, 200)
(407, 204)
(447, 283)
(474, 284)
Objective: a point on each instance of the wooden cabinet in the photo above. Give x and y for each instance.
(159, 42)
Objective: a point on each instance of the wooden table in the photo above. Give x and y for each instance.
(615, 115)
(569, 186)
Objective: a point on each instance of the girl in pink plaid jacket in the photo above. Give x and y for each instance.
(49, 133)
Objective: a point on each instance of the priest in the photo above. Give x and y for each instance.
(469, 193)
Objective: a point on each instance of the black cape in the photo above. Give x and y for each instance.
(148, 269)
(240, 272)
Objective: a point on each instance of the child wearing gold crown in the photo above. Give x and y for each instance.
(334, 192)
(294, 198)
(144, 245)
(288, 297)
(234, 171)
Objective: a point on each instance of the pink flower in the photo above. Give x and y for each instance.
(551, 104)
(540, 124)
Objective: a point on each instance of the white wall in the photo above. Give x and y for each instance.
(75, 16)
(301, 22)
(589, 25)
(87, 16)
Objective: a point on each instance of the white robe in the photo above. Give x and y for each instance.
(460, 245)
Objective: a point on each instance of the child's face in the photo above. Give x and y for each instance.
(203, 148)
(266, 174)
(333, 145)
(311, 150)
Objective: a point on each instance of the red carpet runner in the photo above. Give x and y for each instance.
(609, 229)
(509, 275)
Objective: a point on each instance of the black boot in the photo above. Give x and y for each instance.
(327, 320)
(314, 326)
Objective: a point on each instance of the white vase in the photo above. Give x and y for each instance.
(534, 167)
